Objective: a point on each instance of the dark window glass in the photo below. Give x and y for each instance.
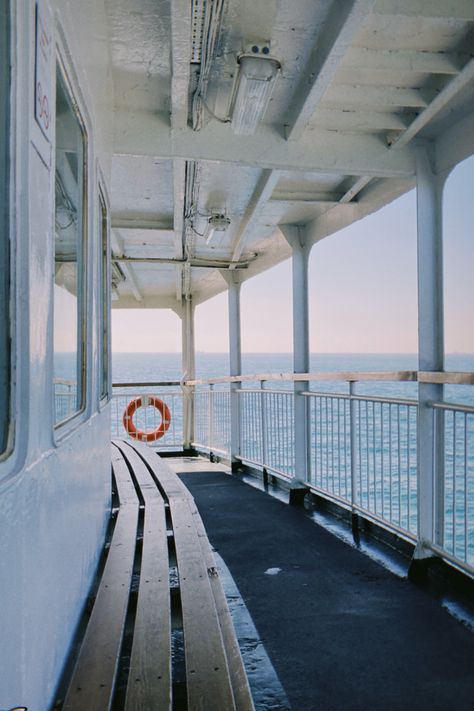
(70, 256)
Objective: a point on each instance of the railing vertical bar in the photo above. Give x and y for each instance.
(399, 469)
(211, 416)
(333, 448)
(265, 426)
(321, 469)
(353, 406)
(465, 489)
(383, 411)
(339, 467)
(408, 467)
(374, 461)
(359, 438)
(390, 458)
(454, 481)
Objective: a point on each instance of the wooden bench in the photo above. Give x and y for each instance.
(157, 505)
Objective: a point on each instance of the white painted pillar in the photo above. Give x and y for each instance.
(430, 351)
(234, 281)
(296, 237)
(189, 369)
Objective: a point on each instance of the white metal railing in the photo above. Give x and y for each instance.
(363, 452)
(362, 448)
(267, 429)
(212, 420)
(148, 419)
(65, 399)
(456, 506)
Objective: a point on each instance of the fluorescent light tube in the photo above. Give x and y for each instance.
(254, 85)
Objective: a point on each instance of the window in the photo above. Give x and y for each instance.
(5, 272)
(70, 256)
(104, 317)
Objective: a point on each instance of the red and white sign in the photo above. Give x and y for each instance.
(43, 74)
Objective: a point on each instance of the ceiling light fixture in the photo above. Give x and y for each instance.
(216, 223)
(256, 77)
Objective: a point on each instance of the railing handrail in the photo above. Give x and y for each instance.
(396, 376)
(410, 376)
(64, 381)
(153, 384)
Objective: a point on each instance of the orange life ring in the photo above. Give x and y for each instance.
(143, 401)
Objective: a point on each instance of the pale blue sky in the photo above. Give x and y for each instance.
(362, 290)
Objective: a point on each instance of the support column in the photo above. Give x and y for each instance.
(189, 369)
(297, 238)
(430, 352)
(234, 281)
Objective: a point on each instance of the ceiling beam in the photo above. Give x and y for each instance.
(180, 61)
(400, 61)
(144, 134)
(335, 38)
(179, 182)
(260, 196)
(381, 98)
(355, 190)
(180, 72)
(148, 302)
(456, 144)
(440, 9)
(357, 120)
(117, 251)
(309, 198)
(139, 223)
(197, 262)
(437, 105)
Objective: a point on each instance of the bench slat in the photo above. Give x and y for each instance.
(95, 672)
(175, 490)
(207, 674)
(238, 676)
(149, 681)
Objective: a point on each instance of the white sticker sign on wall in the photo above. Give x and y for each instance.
(43, 79)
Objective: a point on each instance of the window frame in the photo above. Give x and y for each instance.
(104, 295)
(7, 290)
(84, 271)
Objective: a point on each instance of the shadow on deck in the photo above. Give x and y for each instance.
(342, 631)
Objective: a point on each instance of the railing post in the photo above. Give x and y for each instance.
(264, 425)
(353, 432)
(297, 238)
(430, 353)
(211, 417)
(189, 370)
(233, 280)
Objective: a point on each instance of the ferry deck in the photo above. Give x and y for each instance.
(154, 154)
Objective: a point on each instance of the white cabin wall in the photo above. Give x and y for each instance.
(55, 486)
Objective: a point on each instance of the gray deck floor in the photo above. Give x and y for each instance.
(341, 630)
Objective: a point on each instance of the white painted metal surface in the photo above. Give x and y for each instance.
(55, 486)
(235, 359)
(361, 83)
(430, 351)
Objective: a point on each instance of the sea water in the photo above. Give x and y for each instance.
(387, 434)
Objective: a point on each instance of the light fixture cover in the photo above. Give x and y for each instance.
(216, 223)
(254, 85)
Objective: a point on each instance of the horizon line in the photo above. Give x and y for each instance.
(285, 353)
